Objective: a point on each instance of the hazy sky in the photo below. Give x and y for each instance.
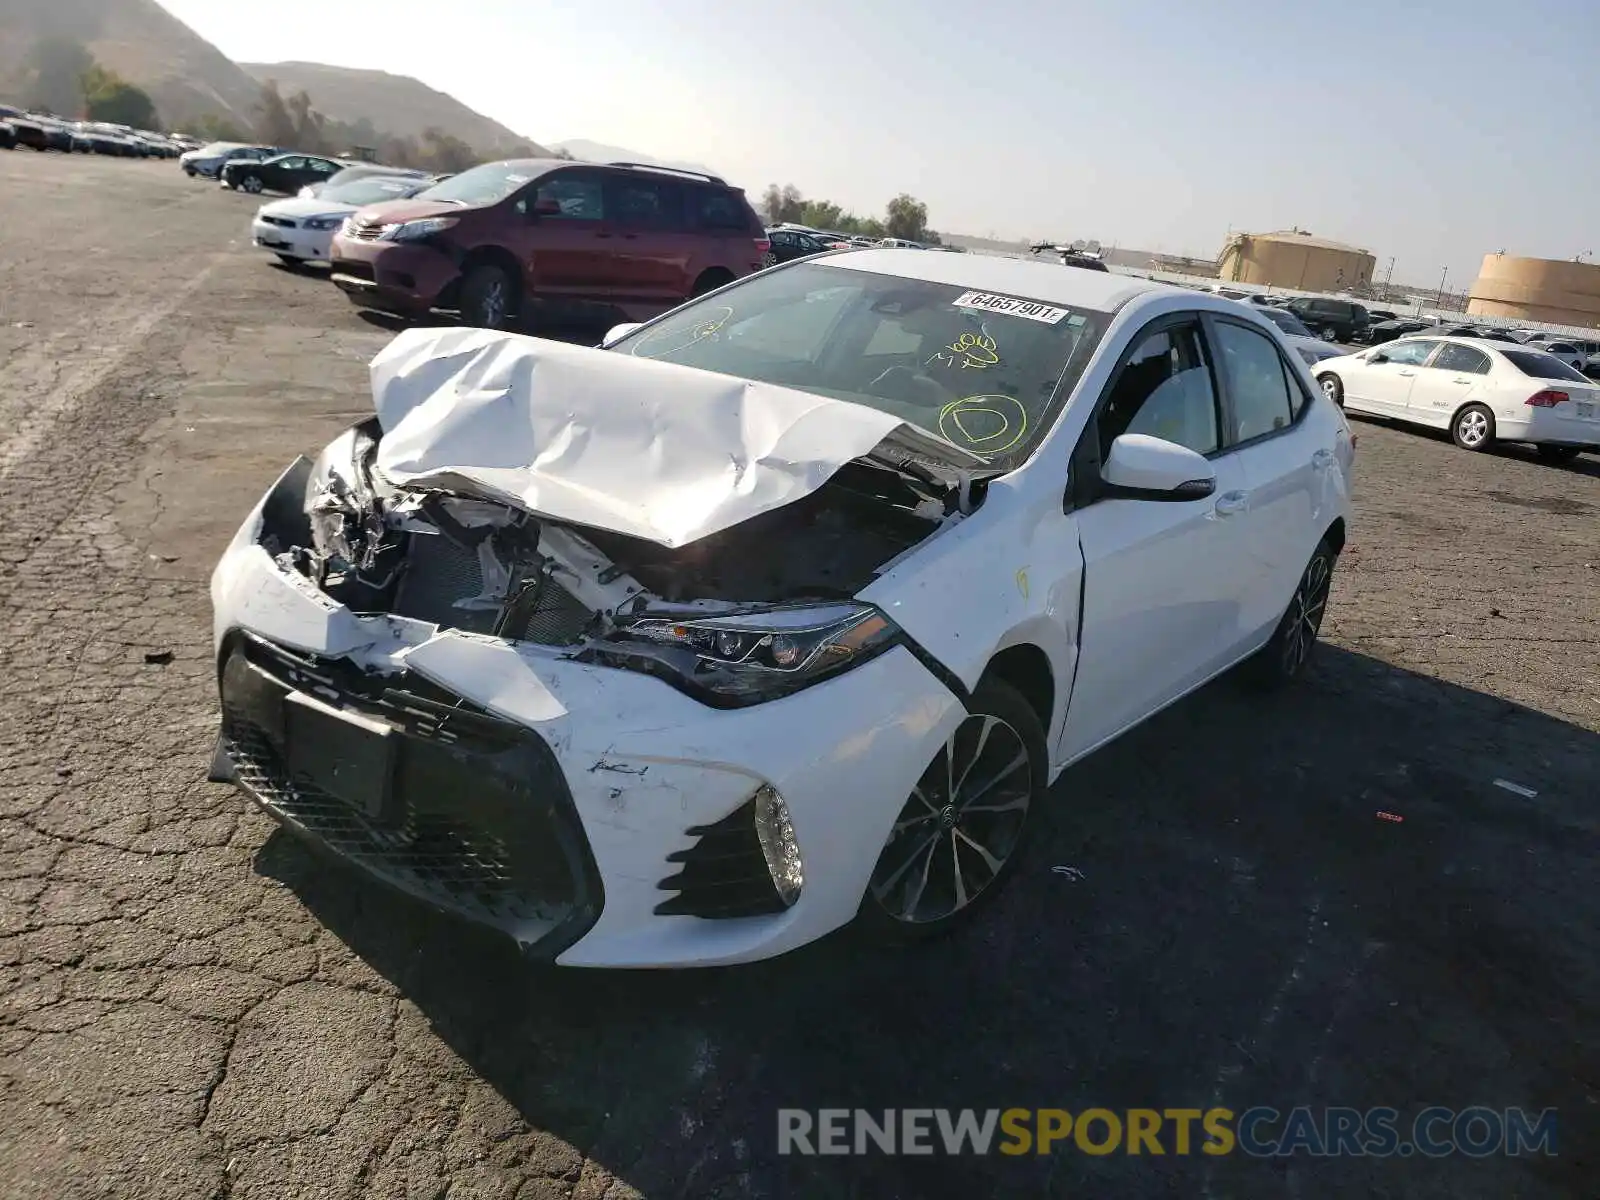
(1433, 137)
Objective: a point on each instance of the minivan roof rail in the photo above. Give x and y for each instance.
(671, 171)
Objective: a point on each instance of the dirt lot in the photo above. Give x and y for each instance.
(191, 1006)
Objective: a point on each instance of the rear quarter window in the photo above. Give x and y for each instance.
(720, 211)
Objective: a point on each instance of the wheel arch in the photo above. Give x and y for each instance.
(1335, 535)
(1026, 667)
(491, 255)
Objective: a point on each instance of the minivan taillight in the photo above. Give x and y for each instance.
(1548, 398)
(763, 245)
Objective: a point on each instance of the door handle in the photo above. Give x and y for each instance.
(1405, 372)
(1230, 503)
(601, 234)
(1322, 459)
(1461, 381)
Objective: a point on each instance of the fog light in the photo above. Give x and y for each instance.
(778, 845)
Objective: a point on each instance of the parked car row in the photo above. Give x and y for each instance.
(38, 131)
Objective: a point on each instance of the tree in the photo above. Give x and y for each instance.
(56, 68)
(445, 152)
(822, 214)
(907, 217)
(109, 97)
(782, 203)
(308, 124)
(274, 122)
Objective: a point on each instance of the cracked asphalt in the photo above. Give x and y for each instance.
(191, 1005)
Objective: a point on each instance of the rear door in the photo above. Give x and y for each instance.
(1283, 459)
(653, 247)
(1451, 378)
(1163, 581)
(558, 228)
(722, 218)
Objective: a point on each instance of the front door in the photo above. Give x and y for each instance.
(1385, 387)
(1455, 376)
(1163, 589)
(564, 239)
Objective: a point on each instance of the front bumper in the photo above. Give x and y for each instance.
(637, 770)
(400, 277)
(312, 245)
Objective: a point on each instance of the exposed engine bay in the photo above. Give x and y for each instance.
(482, 566)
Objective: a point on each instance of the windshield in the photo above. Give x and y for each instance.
(1538, 365)
(986, 372)
(373, 190)
(481, 185)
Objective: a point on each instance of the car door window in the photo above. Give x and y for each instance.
(1409, 353)
(645, 203)
(1258, 382)
(1463, 359)
(1164, 390)
(571, 196)
(291, 164)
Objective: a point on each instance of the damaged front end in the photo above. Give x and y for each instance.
(742, 615)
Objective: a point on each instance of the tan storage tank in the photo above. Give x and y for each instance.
(1292, 259)
(1551, 290)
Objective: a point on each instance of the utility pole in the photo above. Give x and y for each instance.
(1388, 274)
(1439, 300)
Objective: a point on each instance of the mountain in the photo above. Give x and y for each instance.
(395, 104)
(138, 39)
(600, 152)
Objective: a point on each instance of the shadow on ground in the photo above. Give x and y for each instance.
(1247, 931)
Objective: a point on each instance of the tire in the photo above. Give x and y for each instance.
(487, 297)
(290, 262)
(1557, 454)
(1473, 428)
(1290, 648)
(710, 281)
(1330, 334)
(1332, 388)
(251, 184)
(914, 891)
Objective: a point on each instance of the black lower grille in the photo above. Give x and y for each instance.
(280, 222)
(356, 270)
(724, 874)
(476, 817)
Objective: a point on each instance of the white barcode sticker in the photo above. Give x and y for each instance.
(1011, 306)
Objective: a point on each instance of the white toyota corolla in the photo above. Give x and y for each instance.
(781, 610)
(1481, 391)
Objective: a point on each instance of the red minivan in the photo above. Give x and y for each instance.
(582, 239)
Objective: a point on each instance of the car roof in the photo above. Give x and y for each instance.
(1049, 282)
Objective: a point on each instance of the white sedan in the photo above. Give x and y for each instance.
(1481, 391)
(301, 229)
(778, 612)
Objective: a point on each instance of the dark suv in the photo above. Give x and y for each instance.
(1332, 320)
(586, 240)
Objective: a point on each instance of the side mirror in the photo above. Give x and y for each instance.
(617, 332)
(1377, 357)
(544, 208)
(1141, 467)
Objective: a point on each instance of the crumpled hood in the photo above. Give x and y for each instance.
(649, 449)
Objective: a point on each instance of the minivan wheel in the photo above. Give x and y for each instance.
(1332, 388)
(1473, 428)
(962, 830)
(1288, 651)
(486, 295)
(710, 281)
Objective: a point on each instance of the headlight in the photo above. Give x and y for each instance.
(416, 231)
(348, 228)
(346, 527)
(752, 657)
(324, 223)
